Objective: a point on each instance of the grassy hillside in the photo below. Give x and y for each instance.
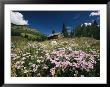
(26, 32)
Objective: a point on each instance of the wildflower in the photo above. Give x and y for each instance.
(57, 64)
(45, 67)
(70, 48)
(30, 63)
(25, 71)
(24, 67)
(24, 55)
(82, 75)
(76, 72)
(53, 43)
(12, 45)
(76, 53)
(13, 55)
(27, 53)
(23, 58)
(52, 71)
(22, 62)
(64, 55)
(75, 75)
(29, 44)
(18, 65)
(34, 67)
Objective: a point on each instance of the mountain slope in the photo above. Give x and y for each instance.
(26, 32)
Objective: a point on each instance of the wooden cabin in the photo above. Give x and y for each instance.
(55, 36)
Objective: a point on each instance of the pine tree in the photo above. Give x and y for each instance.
(53, 31)
(71, 33)
(64, 31)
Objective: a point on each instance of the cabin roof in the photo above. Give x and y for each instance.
(54, 34)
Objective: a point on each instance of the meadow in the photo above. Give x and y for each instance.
(66, 57)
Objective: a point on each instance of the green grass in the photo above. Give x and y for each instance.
(18, 41)
(78, 43)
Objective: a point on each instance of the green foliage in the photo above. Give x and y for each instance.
(92, 30)
(36, 59)
(18, 42)
(26, 32)
(53, 31)
(72, 33)
(64, 31)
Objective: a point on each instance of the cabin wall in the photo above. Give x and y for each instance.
(56, 37)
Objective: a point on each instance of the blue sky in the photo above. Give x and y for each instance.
(46, 21)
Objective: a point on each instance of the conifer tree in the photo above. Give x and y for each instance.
(64, 31)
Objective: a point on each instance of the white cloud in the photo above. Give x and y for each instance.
(17, 18)
(95, 13)
(68, 27)
(86, 24)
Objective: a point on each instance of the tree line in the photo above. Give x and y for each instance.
(92, 30)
